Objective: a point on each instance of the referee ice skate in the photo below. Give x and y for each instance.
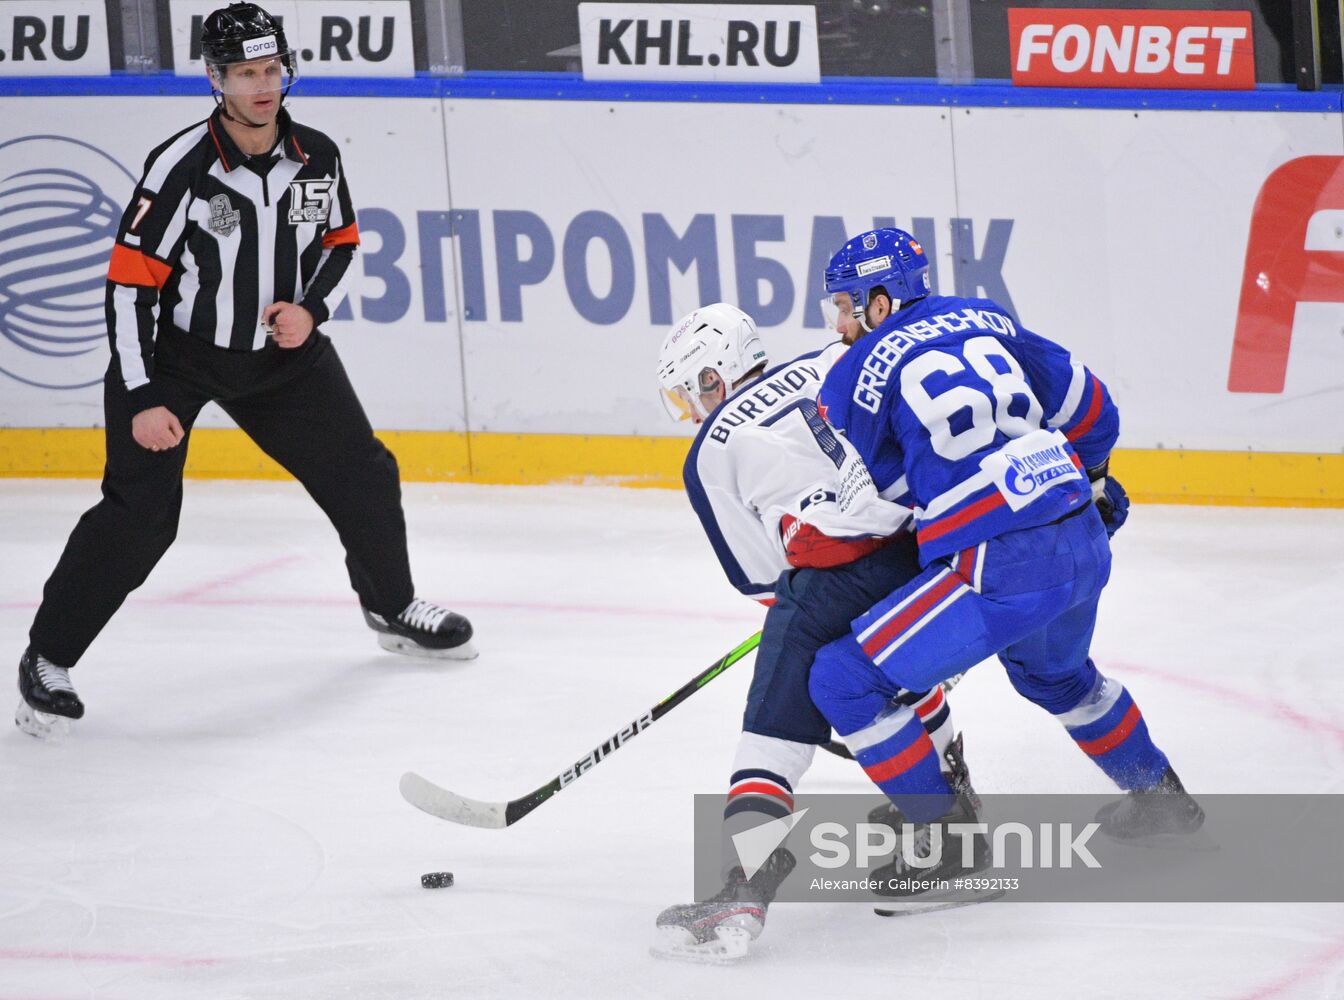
(231, 254)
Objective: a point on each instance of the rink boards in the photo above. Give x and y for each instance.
(524, 258)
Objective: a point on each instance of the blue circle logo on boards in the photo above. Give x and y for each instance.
(57, 226)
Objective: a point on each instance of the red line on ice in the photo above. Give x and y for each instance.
(193, 594)
(1255, 702)
(107, 957)
(747, 617)
(1309, 970)
(1285, 712)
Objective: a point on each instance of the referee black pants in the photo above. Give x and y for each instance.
(299, 407)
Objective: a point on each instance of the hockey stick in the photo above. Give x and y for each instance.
(429, 797)
(840, 750)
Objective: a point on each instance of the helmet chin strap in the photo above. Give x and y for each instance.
(224, 110)
(862, 314)
(240, 121)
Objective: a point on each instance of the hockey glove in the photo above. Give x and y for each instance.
(1110, 497)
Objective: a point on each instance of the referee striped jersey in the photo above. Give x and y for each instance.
(212, 237)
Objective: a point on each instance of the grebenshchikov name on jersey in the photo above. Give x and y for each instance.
(887, 354)
(978, 423)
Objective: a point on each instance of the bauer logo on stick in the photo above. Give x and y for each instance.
(595, 757)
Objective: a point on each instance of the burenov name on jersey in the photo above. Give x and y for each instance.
(782, 387)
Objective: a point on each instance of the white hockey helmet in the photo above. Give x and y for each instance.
(716, 340)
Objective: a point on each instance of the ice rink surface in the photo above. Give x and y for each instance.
(225, 823)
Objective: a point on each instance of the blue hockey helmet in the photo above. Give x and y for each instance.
(888, 258)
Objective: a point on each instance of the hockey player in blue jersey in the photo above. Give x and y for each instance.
(1000, 442)
(796, 523)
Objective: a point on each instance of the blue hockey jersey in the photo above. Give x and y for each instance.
(979, 424)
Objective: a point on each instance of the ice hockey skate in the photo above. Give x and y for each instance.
(49, 700)
(913, 890)
(721, 929)
(1165, 815)
(424, 629)
(900, 880)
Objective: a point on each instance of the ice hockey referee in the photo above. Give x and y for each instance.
(232, 253)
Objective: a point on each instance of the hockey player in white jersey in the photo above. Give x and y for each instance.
(796, 523)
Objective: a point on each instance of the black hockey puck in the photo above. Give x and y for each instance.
(436, 880)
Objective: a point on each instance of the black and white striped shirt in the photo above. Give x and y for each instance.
(212, 237)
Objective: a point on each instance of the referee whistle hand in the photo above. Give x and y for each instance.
(290, 324)
(156, 429)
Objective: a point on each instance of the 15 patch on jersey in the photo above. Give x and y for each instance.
(310, 201)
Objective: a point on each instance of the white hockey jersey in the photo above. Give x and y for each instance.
(776, 487)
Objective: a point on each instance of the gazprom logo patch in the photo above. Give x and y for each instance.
(255, 48)
(59, 211)
(1029, 473)
(1028, 466)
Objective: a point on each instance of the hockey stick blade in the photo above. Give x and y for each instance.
(430, 798)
